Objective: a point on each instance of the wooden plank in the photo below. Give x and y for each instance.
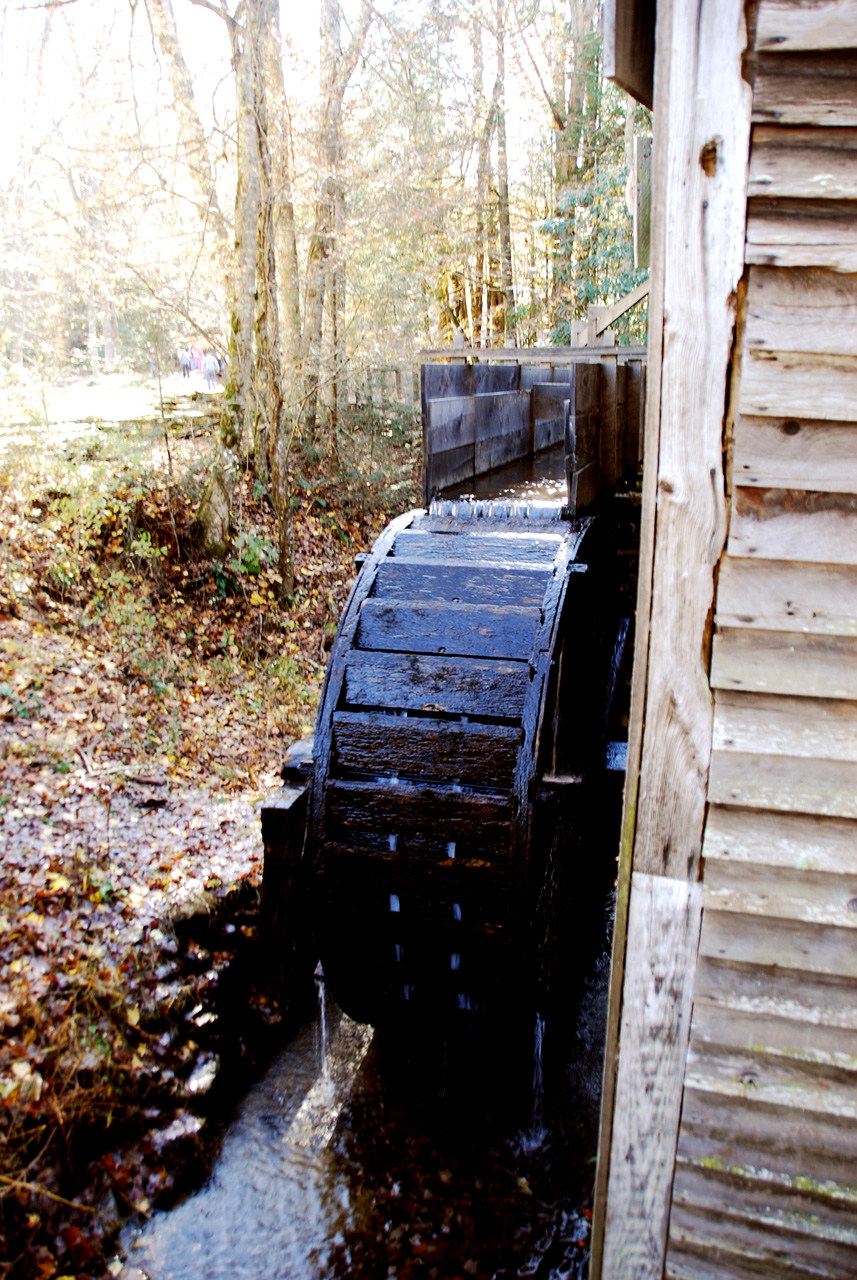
(793, 385)
(747, 1248)
(502, 429)
(585, 485)
(422, 748)
(793, 841)
(443, 381)
(610, 446)
(629, 46)
(478, 631)
(698, 222)
(787, 25)
(473, 883)
(783, 595)
(803, 162)
(663, 931)
(451, 423)
(783, 453)
(809, 666)
(761, 724)
(790, 784)
(422, 682)
(635, 406)
(491, 547)
(806, 88)
(715, 1028)
(806, 1208)
(496, 379)
(730, 1195)
(547, 432)
(442, 470)
(691, 515)
(802, 233)
(779, 1080)
(789, 524)
(548, 400)
(771, 1142)
(779, 944)
(805, 311)
(818, 999)
(585, 386)
(816, 897)
(610, 315)
(583, 433)
(363, 810)
(683, 1263)
(399, 578)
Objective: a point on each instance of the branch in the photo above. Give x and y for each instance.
(349, 59)
(559, 119)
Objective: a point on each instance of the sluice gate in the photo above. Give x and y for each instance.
(465, 779)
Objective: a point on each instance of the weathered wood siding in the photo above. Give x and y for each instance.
(766, 1171)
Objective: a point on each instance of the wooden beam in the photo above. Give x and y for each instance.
(663, 935)
(610, 315)
(629, 46)
(701, 150)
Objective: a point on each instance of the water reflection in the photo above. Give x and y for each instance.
(278, 1202)
(538, 478)
(402, 1158)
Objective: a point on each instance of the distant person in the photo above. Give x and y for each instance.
(153, 361)
(210, 368)
(184, 361)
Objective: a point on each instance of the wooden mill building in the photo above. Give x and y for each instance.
(729, 1122)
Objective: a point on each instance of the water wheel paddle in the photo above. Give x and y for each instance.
(463, 682)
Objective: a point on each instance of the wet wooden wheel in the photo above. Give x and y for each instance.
(445, 714)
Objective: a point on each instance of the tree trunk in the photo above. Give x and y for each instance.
(269, 411)
(505, 222)
(325, 270)
(236, 418)
(194, 141)
(280, 147)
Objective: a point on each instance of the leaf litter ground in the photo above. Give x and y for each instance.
(147, 694)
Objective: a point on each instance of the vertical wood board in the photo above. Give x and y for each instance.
(697, 45)
(629, 46)
(663, 934)
(705, 218)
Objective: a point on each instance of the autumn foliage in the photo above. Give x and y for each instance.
(147, 694)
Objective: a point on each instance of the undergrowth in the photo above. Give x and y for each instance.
(128, 656)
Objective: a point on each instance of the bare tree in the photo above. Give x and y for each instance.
(325, 266)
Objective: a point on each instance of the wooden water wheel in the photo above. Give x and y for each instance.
(463, 684)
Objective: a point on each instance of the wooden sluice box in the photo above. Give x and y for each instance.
(464, 787)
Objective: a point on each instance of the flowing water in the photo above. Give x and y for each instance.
(538, 478)
(385, 1161)
(360, 1156)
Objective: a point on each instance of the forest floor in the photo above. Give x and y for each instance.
(147, 695)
